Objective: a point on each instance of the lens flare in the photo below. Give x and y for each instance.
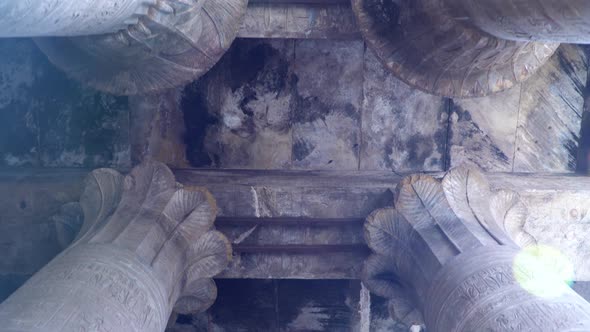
(543, 271)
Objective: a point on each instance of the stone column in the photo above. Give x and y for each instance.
(448, 254)
(146, 247)
(36, 18)
(127, 47)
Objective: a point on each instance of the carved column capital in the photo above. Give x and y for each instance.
(446, 254)
(147, 246)
(169, 44)
(433, 47)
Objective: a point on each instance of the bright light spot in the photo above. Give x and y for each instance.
(543, 271)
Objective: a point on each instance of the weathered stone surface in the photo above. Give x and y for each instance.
(329, 21)
(325, 265)
(243, 107)
(403, 129)
(278, 104)
(270, 232)
(550, 114)
(326, 119)
(49, 120)
(533, 127)
(482, 130)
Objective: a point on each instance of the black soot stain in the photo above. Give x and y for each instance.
(261, 66)
(385, 13)
(196, 120)
(568, 67)
(471, 132)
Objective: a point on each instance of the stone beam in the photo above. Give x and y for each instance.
(291, 19)
(450, 252)
(267, 210)
(146, 247)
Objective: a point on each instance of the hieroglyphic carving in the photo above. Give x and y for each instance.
(449, 247)
(147, 246)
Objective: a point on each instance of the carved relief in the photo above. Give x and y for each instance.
(147, 246)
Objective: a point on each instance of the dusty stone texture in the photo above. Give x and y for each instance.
(278, 104)
(48, 120)
(278, 305)
(243, 106)
(532, 127)
(403, 129)
(550, 114)
(482, 130)
(326, 117)
(267, 20)
(277, 234)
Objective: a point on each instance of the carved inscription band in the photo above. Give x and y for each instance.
(92, 288)
(478, 291)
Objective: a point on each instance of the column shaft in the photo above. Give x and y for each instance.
(94, 288)
(478, 291)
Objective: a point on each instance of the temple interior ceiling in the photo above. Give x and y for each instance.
(313, 113)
